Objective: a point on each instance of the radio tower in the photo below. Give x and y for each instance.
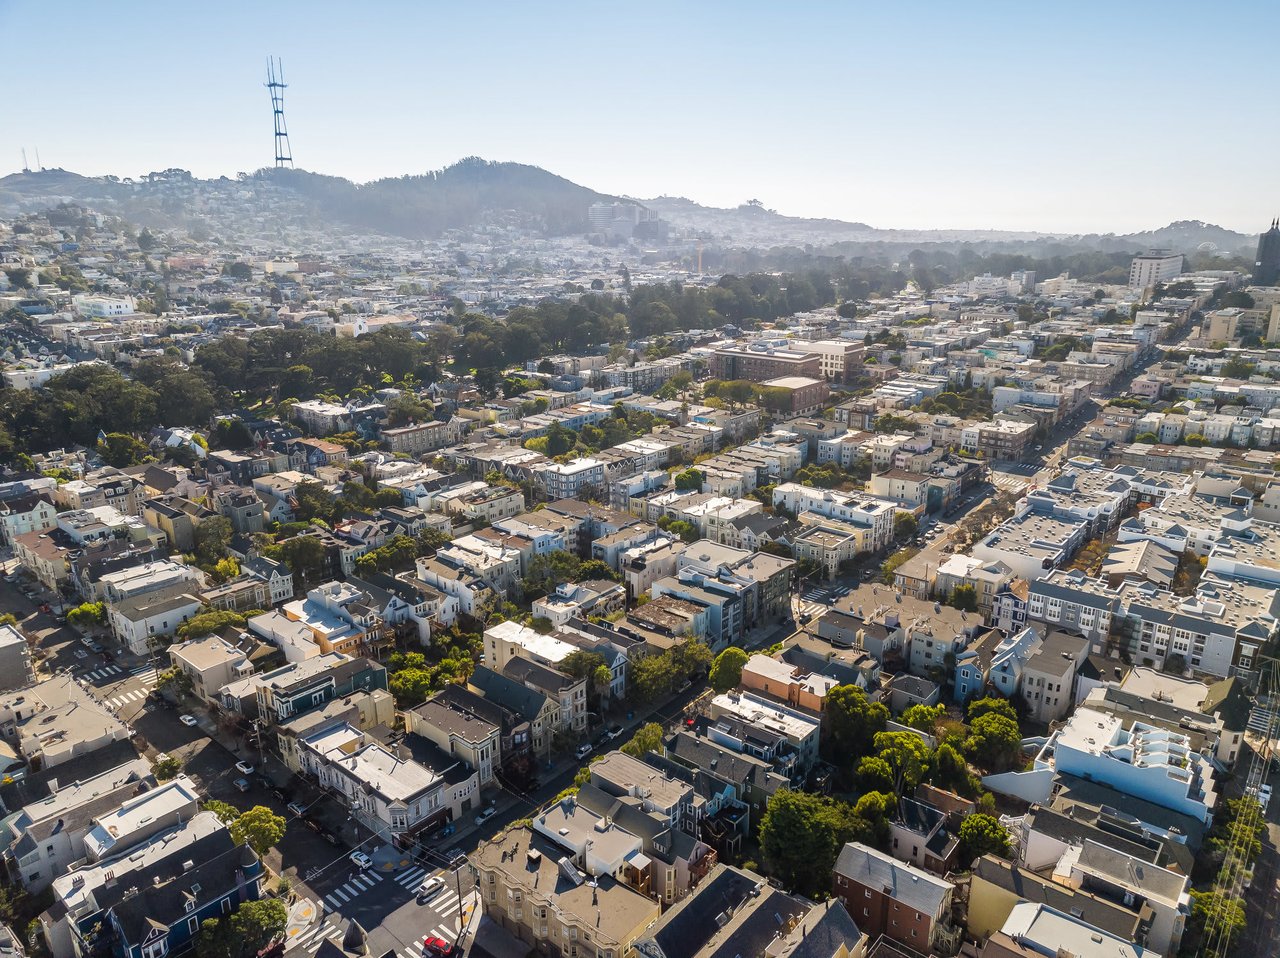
(275, 83)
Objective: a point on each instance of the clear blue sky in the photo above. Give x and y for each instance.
(1075, 116)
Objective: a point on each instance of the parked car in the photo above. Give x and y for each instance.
(430, 888)
(188, 720)
(486, 814)
(244, 768)
(361, 860)
(241, 784)
(583, 750)
(613, 731)
(297, 808)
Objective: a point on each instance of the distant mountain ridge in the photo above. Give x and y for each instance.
(477, 194)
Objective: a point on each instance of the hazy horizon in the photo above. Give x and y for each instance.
(1096, 120)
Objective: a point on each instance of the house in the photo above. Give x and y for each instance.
(140, 621)
(1069, 600)
(1142, 759)
(57, 721)
(15, 659)
(44, 838)
(151, 904)
(538, 713)
(461, 731)
(297, 688)
(755, 713)
(22, 514)
(889, 897)
(997, 885)
(211, 663)
(787, 683)
(390, 791)
(572, 600)
(1049, 676)
(1036, 929)
(532, 889)
(918, 834)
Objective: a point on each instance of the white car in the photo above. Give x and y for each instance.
(485, 815)
(297, 808)
(361, 860)
(188, 720)
(244, 768)
(430, 888)
(1262, 793)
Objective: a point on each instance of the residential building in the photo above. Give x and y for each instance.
(892, 898)
(29, 513)
(533, 890)
(757, 365)
(1048, 683)
(799, 730)
(1031, 544)
(211, 663)
(144, 620)
(1155, 266)
(57, 721)
(15, 659)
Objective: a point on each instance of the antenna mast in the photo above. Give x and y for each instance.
(276, 85)
(25, 167)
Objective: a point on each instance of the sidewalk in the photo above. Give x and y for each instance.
(302, 915)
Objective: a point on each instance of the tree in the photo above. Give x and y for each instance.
(213, 536)
(875, 775)
(166, 768)
(304, 555)
(800, 836)
(120, 449)
(225, 569)
(907, 756)
(88, 614)
(1215, 907)
(244, 933)
(992, 703)
(905, 525)
(964, 598)
(982, 835)
(207, 623)
(651, 677)
(225, 811)
(690, 479)
(260, 828)
(174, 681)
(994, 742)
(853, 721)
(648, 738)
(951, 772)
(726, 670)
(923, 717)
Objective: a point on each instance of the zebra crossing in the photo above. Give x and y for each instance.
(444, 909)
(125, 698)
(103, 673)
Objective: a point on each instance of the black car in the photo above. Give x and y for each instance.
(331, 838)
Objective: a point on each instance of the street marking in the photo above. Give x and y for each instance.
(411, 876)
(342, 894)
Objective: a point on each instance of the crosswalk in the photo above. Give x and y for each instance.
(124, 699)
(445, 908)
(103, 673)
(309, 941)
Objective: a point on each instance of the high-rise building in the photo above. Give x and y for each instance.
(1266, 269)
(1154, 266)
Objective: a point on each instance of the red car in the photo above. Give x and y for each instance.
(437, 947)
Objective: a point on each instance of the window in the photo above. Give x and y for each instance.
(193, 925)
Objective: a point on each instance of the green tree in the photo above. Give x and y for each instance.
(174, 681)
(800, 836)
(964, 598)
(982, 835)
(88, 614)
(304, 555)
(225, 811)
(726, 670)
(690, 479)
(207, 623)
(923, 717)
(245, 932)
(225, 569)
(994, 742)
(120, 449)
(260, 828)
(874, 774)
(1214, 907)
(213, 536)
(166, 768)
(647, 738)
(651, 677)
(951, 772)
(992, 703)
(852, 722)
(907, 756)
(905, 525)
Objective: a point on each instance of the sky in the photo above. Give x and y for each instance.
(1063, 117)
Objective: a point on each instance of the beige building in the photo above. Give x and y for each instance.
(210, 663)
(532, 890)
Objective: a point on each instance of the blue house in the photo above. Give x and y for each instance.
(156, 910)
